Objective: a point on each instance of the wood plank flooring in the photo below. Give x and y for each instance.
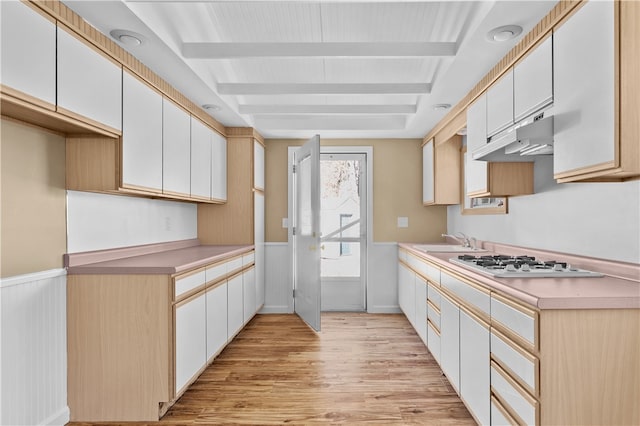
(362, 368)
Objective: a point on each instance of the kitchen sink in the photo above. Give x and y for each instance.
(445, 248)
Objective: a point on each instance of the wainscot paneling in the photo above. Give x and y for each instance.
(33, 348)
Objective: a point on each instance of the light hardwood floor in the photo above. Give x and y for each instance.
(362, 368)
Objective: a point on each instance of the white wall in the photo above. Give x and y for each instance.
(591, 219)
(101, 221)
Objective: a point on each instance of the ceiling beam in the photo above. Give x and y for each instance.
(322, 88)
(330, 122)
(207, 50)
(326, 109)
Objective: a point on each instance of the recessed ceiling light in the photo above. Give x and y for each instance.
(504, 33)
(441, 107)
(128, 38)
(211, 107)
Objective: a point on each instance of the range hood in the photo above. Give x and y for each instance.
(531, 136)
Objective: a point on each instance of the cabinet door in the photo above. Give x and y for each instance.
(88, 83)
(450, 341)
(533, 81)
(258, 165)
(249, 294)
(176, 149)
(28, 49)
(235, 315)
(407, 292)
(200, 160)
(258, 206)
(218, 166)
(191, 340)
(475, 171)
(583, 80)
(500, 104)
(421, 308)
(475, 368)
(428, 173)
(141, 135)
(216, 319)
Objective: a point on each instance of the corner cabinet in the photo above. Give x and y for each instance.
(596, 84)
(441, 172)
(241, 219)
(495, 179)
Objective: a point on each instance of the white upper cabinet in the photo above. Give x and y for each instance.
(89, 84)
(176, 149)
(218, 166)
(500, 104)
(428, 173)
(200, 159)
(475, 172)
(28, 49)
(141, 135)
(533, 81)
(584, 84)
(258, 165)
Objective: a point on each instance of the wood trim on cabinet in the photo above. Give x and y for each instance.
(13, 106)
(118, 329)
(528, 397)
(504, 411)
(590, 370)
(190, 296)
(25, 98)
(434, 307)
(475, 316)
(512, 334)
(629, 85)
(433, 326)
(89, 121)
(526, 354)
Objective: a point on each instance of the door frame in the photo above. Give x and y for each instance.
(328, 149)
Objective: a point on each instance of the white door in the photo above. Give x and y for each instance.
(306, 239)
(343, 206)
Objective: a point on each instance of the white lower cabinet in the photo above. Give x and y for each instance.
(524, 407)
(191, 339)
(406, 292)
(235, 305)
(421, 308)
(474, 366)
(249, 294)
(216, 319)
(450, 341)
(433, 341)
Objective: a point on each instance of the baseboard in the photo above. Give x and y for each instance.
(384, 310)
(275, 309)
(62, 417)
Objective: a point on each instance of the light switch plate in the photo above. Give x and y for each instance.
(403, 222)
(285, 222)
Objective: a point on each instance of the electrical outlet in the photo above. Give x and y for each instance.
(403, 222)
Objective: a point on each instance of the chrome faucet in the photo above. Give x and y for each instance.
(461, 238)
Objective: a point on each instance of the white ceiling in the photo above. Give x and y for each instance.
(341, 69)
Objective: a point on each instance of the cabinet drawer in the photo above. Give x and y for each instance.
(189, 281)
(514, 318)
(499, 414)
(522, 365)
(402, 255)
(433, 314)
(434, 296)
(234, 264)
(514, 397)
(423, 268)
(433, 341)
(215, 272)
(474, 296)
(248, 259)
